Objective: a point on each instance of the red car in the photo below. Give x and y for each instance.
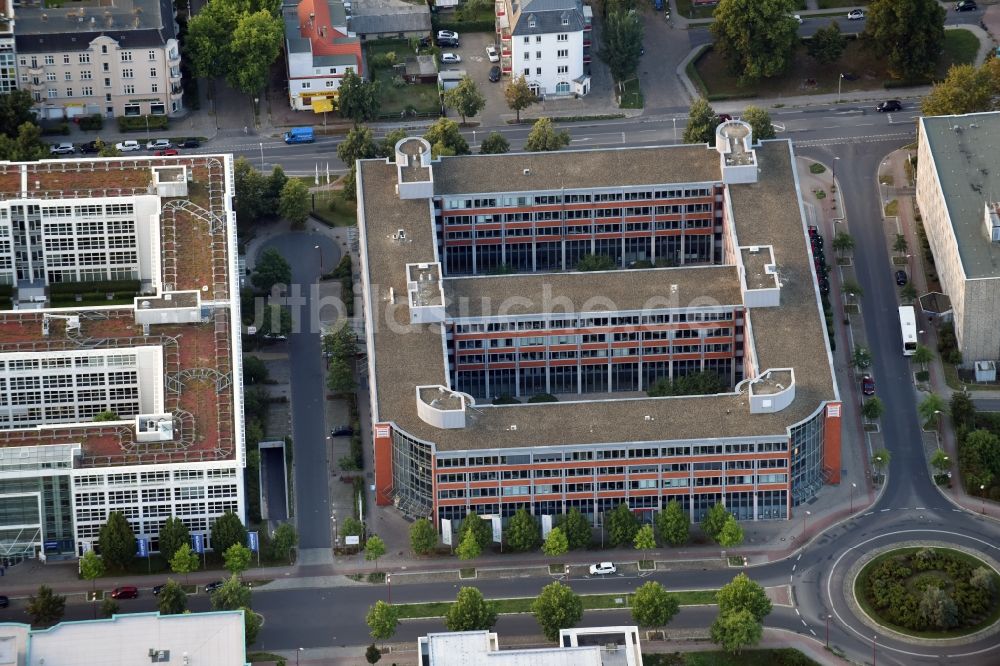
(867, 385)
(126, 592)
(166, 152)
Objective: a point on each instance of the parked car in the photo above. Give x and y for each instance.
(189, 143)
(797, 18)
(495, 73)
(125, 592)
(602, 569)
(447, 34)
(341, 431)
(448, 42)
(889, 105)
(813, 231)
(724, 117)
(966, 6)
(166, 153)
(425, 42)
(451, 57)
(901, 278)
(492, 54)
(159, 144)
(856, 15)
(213, 586)
(824, 286)
(867, 384)
(128, 146)
(62, 149)
(158, 588)
(4, 601)
(90, 147)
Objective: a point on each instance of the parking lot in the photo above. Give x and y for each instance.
(477, 65)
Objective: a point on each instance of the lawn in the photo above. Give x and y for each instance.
(808, 77)
(778, 657)
(336, 211)
(396, 96)
(631, 97)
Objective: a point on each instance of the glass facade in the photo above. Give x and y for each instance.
(22, 529)
(806, 451)
(411, 475)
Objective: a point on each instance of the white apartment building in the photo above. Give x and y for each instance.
(548, 42)
(8, 70)
(133, 406)
(320, 50)
(116, 59)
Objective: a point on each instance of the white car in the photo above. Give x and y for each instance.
(128, 146)
(447, 34)
(451, 57)
(602, 569)
(159, 144)
(62, 149)
(855, 15)
(492, 54)
(797, 18)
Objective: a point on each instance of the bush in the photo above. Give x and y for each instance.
(92, 122)
(543, 397)
(101, 287)
(57, 129)
(138, 123)
(467, 26)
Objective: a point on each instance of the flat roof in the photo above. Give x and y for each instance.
(966, 152)
(765, 213)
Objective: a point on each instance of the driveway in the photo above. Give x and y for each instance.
(665, 47)
(477, 65)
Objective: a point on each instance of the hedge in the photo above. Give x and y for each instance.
(101, 287)
(138, 123)
(92, 122)
(61, 128)
(467, 26)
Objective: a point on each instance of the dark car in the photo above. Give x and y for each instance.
(189, 143)
(901, 278)
(125, 592)
(213, 586)
(966, 6)
(867, 384)
(824, 286)
(724, 117)
(4, 601)
(889, 105)
(90, 147)
(813, 231)
(495, 73)
(341, 431)
(449, 42)
(817, 242)
(158, 588)
(425, 42)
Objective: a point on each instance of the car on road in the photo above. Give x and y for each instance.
(867, 384)
(125, 592)
(724, 117)
(166, 153)
(159, 144)
(966, 6)
(189, 143)
(901, 278)
(62, 149)
(158, 588)
(90, 147)
(341, 431)
(451, 57)
(4, 601)
(797, 18)
(856, 15)
(492, 54)
(213, 586)
(128, 146)
(824, 286)
(602, 569)
(447, 34)
(495, 73)
(889, 105)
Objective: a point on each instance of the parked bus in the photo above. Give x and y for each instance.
(908, 327)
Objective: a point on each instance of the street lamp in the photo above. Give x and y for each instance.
(317, 247)
(840, 81)
(853, 486)
(937, 427)
(297, 653)
(827, 631)
(804, 515)
(336, 537)
(388, 586)
(834, 185)
(261, 144)
(982, 493)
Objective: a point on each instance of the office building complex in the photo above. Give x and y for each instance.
(8, 68)
(472, 303)
(120, 377)
(958, 192)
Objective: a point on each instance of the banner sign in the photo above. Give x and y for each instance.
(546, 526)
(198, 543)
(253, 542)
(446, 531)
(143, 545)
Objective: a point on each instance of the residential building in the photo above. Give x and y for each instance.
(389, 19)
(958, 193)
(320, 51)
(463, 308)
(8, 68)
(125, 640)
(120, 59)
(547, 41)
(589, 646)
(120, 376)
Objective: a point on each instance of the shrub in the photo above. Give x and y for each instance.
(92, 122)
(138, 123)
(59, 128)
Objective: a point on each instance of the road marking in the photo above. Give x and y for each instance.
(797, 612)
(789, 578)
(869, 513)
(799, 557)
(804, 623)
(884, 510)
(919, 508)
(812, 632)
(793, 567)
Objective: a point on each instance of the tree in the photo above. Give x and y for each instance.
(743, 594)
(596, 262)
(471, 612)
(423, 538)
(962, 410)
(736, 630)
(982, 579)
(255, 44)
(908, 292)
(109, 607)
(227, 530)
(482, 529)
(523, 532)
(252, 622)
(106, 415)
(545, 137)
(760, 123)
(382, 619)
(352, 527)
(938, 608)
(673, 524)
(827, 44)
(880, 459)
(621, 45)
(294, 202)
(468, 546)
(852, 289)
(872, 408)
(446, 138)
(757, 38)
(173, 535)
(172, 599)
(359, 144)
(237, 558)
(46, 607)
(91, 567)
(254, 372)
(271, 269)
(465, 98)
(117, 542)
(357, 99)
(494, 144)
(233, 595)
(374, 549)
(25, 145)
(696, 383)
(519, 95)
(731, 533)
(940, 461)
(15, 110)
(644, 539)
(714, 519)
(579, 530)
(107, 149)
(250, 186)
(340, 376)
(861, 358)
(283, 541)
(843, 243)
(184, 561)
(908, 34)
(966, 89)
(556, 543)
(372, 654)
(272, 193)
(557, 607)
(387, 146)
(900, 246)
(702, 121)
(653, 606)
(622, 525)
(932, 406)
(923, 355)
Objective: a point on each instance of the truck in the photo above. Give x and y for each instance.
(300, 135)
